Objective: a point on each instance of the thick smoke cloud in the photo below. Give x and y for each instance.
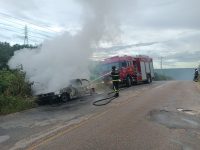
(58, 61)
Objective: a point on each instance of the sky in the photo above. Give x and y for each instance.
(158, 28)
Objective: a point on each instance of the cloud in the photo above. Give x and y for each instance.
(42, 12)
(157, 28)
(19, 5)
(122, 47)
(167, 15)
(186, 56)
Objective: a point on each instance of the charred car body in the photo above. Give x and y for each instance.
(76, 89)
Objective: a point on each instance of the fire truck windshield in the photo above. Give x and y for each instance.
(108, 67)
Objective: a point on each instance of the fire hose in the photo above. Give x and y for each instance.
(108, 99)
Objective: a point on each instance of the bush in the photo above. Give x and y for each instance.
(14, 83)
(14, 87)
(7, 51)
(9, 104)
(15, 91)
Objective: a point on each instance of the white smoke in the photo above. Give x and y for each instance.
(67, 57)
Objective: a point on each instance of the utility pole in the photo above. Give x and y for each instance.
(25, 35)
(161, 64)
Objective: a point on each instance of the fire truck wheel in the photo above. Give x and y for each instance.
(65, 97)
(148, 79)
(151, 79)
(128, 82)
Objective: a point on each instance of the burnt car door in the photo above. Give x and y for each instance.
(86, 86)
(77, 84)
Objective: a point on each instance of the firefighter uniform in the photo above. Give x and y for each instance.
(196, 74)
(115, 80)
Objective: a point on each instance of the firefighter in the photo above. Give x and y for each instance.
(115, 80)
(196, 74)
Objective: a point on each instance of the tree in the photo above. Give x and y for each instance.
(14, 83)
(7, 51)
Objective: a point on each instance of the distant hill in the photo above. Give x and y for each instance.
(178, 73)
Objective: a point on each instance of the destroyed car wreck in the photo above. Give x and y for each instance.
(76, 89)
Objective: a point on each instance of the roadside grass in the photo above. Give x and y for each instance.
(199, 82)
(15, 91)
(10, 104)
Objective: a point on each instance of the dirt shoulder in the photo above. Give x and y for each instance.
(198, 85)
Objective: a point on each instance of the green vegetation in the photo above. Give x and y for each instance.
(13, 104)
(15, 89)
(7, 51)
(160, 77)
(199, 73)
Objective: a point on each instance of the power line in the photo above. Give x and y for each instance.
(34, 39)
(43, 36)
(41, 26)
(20, 22)
(22, 26)
(7, 25)
(11, 30)
(30, 31)
(10, 21)
(37, 37)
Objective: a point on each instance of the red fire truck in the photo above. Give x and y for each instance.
(132, 69)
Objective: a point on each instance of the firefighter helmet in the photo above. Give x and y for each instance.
(113, 67)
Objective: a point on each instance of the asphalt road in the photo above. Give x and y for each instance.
(163, 115)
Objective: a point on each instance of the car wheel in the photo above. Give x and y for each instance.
(65, 97)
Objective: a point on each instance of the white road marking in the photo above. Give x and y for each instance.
(191, 122)
(160, 86)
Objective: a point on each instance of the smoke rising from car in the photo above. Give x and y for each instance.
(66, 57)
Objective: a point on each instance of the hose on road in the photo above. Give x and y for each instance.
(110, 99)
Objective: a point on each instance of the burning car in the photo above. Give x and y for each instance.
(76, 89)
